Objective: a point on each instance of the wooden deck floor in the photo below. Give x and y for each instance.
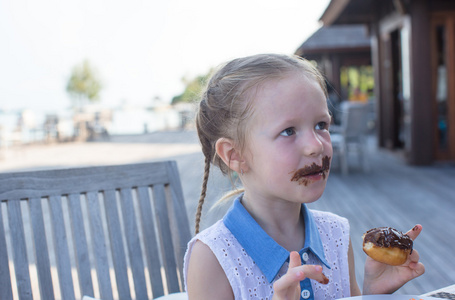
(390, 194)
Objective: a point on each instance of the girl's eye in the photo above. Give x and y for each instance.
(288, 132)
(322, 126)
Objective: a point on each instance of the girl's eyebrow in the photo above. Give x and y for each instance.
(320, 115)
(288, 121)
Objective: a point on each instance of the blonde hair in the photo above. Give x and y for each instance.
(226, 104)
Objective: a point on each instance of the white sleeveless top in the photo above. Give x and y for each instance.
(249, 282)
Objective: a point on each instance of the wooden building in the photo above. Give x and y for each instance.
(334, 48)
(413, 54)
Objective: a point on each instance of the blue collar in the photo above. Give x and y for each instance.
(268, 255)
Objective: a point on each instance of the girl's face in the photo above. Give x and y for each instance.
(288, 146)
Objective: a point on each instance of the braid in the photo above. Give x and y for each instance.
(203, 194)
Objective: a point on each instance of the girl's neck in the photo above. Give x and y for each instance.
(281, 220)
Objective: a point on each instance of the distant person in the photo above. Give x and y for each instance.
(265, 117)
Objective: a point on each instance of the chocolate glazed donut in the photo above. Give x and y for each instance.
(387, 245)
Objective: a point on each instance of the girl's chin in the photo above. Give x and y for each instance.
(308, 196)
(312, 193)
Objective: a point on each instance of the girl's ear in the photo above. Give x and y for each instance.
(226, 150)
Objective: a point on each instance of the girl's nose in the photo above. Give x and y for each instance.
(312, 144)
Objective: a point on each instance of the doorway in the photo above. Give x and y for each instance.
(443, 84)
(392, 106)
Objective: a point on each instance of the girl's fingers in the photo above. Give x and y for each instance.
(414, 257)
(292, 277)
(414, 263)
(289, 283)
(294, 260)
(288, 280)
(414, 232)
(298, 274)
(314, 273)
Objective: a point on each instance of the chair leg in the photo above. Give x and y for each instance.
(366, 166)
(344, 159)
(363, 159)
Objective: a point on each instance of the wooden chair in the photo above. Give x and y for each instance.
(109, 232)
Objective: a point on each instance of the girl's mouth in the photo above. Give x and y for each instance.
(312, 172)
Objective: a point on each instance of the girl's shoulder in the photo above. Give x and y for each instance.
(215, 231)
(325, 218)
(204, 270)
(214, 237)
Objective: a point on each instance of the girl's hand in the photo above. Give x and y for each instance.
(288, 286)
(384, 279)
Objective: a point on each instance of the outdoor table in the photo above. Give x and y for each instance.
(447, 292)
(175, 296)
(390, 297)
(443, 293)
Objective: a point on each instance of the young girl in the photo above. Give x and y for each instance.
(266, 118)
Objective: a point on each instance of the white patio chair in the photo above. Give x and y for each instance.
(351, 134)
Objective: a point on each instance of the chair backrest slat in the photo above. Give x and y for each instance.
(41, 250)
(5, 278)
(165, 230)
(113, 232)
(151, 246)
(99, 246)
(80, 244)
(180, 231)
(133, 242)
(61, 248)
(117, 242)
(21, 266)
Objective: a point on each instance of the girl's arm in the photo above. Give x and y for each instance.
(384, 279)
(206, 278)
(355, 290)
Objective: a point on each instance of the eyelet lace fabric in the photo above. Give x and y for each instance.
(247, 280)
(334, 232)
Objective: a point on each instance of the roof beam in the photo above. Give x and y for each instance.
(333, 11)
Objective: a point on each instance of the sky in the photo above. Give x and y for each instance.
(140, 49)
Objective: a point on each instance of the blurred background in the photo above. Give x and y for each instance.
(75, 69)
(111, 82)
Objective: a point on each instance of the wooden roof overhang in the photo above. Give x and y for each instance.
(368, 11)
(336, 39)
(349, 12)
(334, 50)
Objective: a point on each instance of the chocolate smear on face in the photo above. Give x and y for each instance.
(313, 169)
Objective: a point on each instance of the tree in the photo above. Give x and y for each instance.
(84, 84)
(192, 90)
